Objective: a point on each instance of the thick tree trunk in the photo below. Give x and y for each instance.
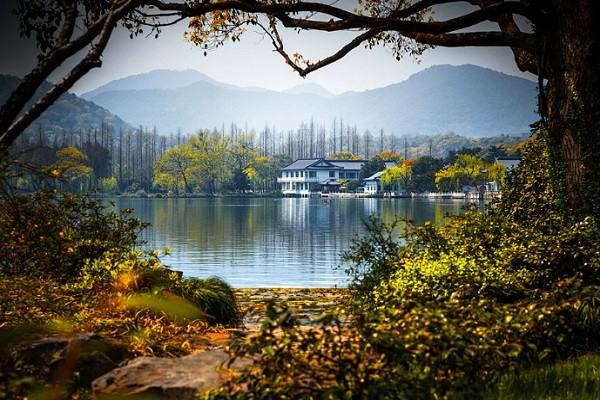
(570, 61)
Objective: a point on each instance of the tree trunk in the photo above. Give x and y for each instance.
(570, 61)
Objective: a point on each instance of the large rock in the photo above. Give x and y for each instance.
(57, 358)
(166, 378)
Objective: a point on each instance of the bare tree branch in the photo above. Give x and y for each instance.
(46, 65)
(273, 33)
(91, 60)
(475, 39)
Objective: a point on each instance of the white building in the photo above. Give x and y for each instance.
(372, 184)
(314, 175)
(306, 176)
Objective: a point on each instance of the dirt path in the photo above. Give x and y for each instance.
(307, 304)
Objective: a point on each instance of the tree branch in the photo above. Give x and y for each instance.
(404, 21)
(47, 64)
(91, 60)
(400, 24)
(475, 39)
(69, 24)
(303, 71)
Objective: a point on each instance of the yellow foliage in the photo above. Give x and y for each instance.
(345, 155)
(71, 165)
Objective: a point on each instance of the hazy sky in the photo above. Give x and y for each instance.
(252, 61)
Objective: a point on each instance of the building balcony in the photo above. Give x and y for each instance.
(297, 179)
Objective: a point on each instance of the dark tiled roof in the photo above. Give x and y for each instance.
(375, 176)
(301, 164)
(348, 164)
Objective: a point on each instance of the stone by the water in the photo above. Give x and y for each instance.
(166, 378)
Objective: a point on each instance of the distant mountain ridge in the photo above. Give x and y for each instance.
(69, 112)
(156, 79)
(466, 99)
(309, 88)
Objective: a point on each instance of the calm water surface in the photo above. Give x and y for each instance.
(253, 242)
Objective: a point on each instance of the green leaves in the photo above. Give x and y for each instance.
(51, 234)
(469, 170)
(441, 312)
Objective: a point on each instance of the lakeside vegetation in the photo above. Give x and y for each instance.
(211, 163)
(473, 308)
(480, 306)
(68, 268)
(449, 311)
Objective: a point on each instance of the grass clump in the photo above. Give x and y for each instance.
(577, 379)
(214, 297)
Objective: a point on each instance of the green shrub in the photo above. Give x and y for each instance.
(142, 273)
(52, 234)
(108, 185)
(370, 261)
(213, 296)
(442, 312)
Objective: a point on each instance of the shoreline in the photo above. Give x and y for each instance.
(307, 304)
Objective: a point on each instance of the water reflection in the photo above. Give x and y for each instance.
(269, 242)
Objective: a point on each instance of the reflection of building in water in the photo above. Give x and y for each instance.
(294, 212)
(371, 206)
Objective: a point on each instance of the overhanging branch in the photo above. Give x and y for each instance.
(91, 60)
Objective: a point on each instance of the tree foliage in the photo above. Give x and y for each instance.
(469, 170)
(51, 234)
(375, 164)
(392, 176)
(176, 169)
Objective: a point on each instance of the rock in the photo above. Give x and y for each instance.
(57, 357)
(166, 378)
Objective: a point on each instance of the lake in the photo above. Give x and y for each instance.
(268, 242)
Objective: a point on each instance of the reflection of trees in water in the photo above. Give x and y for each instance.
(274, 233)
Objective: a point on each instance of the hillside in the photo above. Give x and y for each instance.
(467, 99)
(69, 112)
(157, 79)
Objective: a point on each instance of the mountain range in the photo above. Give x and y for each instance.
(69, 112)
(465, 99)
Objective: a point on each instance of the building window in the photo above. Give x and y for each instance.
(351, 175)
(297, 174)
(312, 174)
(332, 174)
